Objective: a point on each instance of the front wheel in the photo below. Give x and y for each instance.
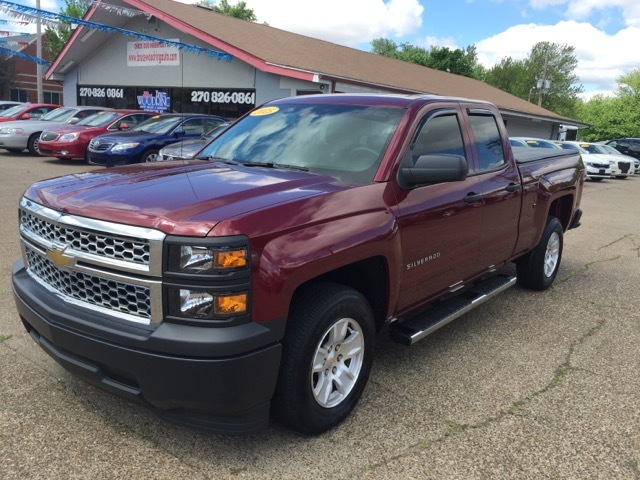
(150, 156)
(538, 269)
(327, 358)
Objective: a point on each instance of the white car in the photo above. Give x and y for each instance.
(597, 168)
(634, 161)
(532, 142)
(620, 167)
(17, 135)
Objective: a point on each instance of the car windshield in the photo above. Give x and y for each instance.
(10, 112)
(343, 141)
(61, 114)
(611, 150)
(99, 119)
(573, 146)
(158, 125)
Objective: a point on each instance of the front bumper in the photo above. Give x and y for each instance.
(219, 379)
(108, 159)
(61, 149)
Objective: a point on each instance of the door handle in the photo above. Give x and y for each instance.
(472, 197)
(513, 187)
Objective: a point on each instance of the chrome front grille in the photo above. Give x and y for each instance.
(96, 145)
(95, 290)
(49, 136)
(103, 266)
(129, 250)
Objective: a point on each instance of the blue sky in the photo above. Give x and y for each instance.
(606, 33)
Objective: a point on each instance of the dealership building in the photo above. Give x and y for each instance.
(212, 63)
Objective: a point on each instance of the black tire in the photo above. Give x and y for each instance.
(621, 177)
(149, 156)
(323, 318)
(538, 269)
(32, 144)
(596, 179)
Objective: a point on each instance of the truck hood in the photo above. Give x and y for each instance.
(178, 198)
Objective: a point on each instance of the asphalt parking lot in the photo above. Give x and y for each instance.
(529, 385)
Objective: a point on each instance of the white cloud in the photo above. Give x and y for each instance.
(602, 58)
(628, 10)
(448, 42)
(346, 22)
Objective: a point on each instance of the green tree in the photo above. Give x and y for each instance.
(56, 38)
(546, 77)
(7, 74)
(616, 116)
(239, 10)
(458, 61)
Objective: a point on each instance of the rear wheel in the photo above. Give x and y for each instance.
(596, 179)
(327, 358)
(32, 144)
(538, 269)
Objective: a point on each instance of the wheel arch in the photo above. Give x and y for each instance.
(562, 209)
(368, 276)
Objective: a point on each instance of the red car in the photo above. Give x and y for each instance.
(26, 111)
(71, 141)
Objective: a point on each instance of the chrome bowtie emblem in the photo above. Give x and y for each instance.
(59, 258)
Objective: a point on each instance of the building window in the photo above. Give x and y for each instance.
(18, 95)
(51, 97)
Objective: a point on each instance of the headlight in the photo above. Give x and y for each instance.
(121, 147)
(205, 259)
(11, 131)
(203, 305)
(69, 137)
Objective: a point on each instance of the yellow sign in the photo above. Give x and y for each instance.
(264, 111)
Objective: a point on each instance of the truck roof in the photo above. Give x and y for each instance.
(372, 99)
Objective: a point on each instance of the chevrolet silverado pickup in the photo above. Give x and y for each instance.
(249, 283)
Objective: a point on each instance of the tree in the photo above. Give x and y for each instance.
(458, 61)
(56, 38)
(545, 77)
(7, 74)
(616, 116)
(239, 10)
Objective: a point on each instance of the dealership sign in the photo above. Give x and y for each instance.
(149, 54)
(154, 103)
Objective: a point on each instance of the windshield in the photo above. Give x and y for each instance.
(344, 141)
(99, 119)
(61, 114)
(10, 112)
(158, 125)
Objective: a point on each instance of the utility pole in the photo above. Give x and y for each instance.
(543, 83)
(39, 54)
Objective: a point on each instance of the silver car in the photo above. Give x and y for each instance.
(17, 135)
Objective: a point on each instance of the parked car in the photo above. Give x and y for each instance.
(143, 142)
(71, 141)
(20, 134)
(532, 142)
(597, 168)
(4, 104)
(187, 149)
(27, 111)
(628, 146)
(620, 168)
(633, 160)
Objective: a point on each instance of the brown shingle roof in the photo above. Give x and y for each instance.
(268, 48)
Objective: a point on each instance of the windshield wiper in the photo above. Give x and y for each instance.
(228, 161)
(275, 165)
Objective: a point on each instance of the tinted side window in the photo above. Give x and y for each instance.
(488, 141)
(439, 135)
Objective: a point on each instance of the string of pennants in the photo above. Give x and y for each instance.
(8, 52)
(56, 20)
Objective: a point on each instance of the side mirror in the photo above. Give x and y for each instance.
(123, 126)
(179, 132)
(25, 116)
(73, 120)
(434, 169)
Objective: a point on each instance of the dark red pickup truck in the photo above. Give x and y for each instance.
(252, 281)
